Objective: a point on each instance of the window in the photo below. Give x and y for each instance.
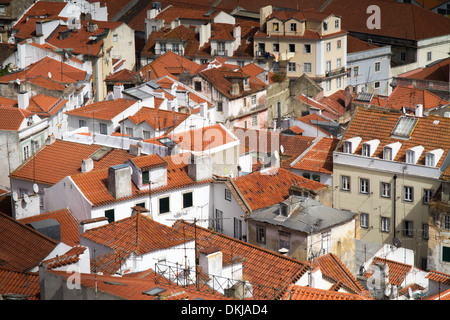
(276, 47)
(339, 44)
(316, 177)
(328, 85)
(141, 204)
(366, 150)
(404, 127)
(338, 62)
(364, 186)
(293, 27)
(377, 66)
(326, 242)
(338, 82)
(2, 9)
(284, 240)
(162, 48)
(408, 228)
(164, 205)
(276, 66)
(377, 85)
(306, 175)
(146, 134)
(387, 153)
(198, 85)
(237, 228)
(364, 220)
(221, 48)
(410, 158)
(345, 183)
(103, 128)
(219, 106)
(347, 147)
(307, 48)
(254, 100)
(325, 26)
(254, 120)
(328, 66)
(115, 37)
(328, 46)
(175, 48)
(82, 123)
(429, 160)
(445, 254)
(275, 26)
(291, 67)
(145, 177)
(447, 222)
(187, 200)
(26, 152)
(402, 56)
(218, 225)
(355, 71)
(429, 56)
(336, 24)
(425, 230)
(307, 68)
(129, 131)
(261, 235)
(109, 214)
(385, 191)
(408, 193)
(227, 194)
(291, 47)
(385, 224)
(427, 194)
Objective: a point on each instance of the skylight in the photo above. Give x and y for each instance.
(154, 291)
(404, 127)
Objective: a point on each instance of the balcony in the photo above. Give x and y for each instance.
(220, 53)
(336, 72)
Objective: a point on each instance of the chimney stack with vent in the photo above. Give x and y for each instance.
(211, 261)
(234, 89)
(419, 110)
(200, 167)
(119, 181)
(118, 88)
(23, 99)
(87, 165)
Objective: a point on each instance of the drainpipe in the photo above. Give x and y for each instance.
(395, 199)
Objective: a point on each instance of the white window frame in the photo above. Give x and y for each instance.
(328, 85)
(345, 183)
(307, 45)
(307, 67)
(446, 222)
(292, 67)
(377, 66)
(364, 220)
(387, 153)
(218, 225)
(427, 195)
(365, 150)
(385, 189)
(385, 224)
(408, 193)
(328, 46)
(364, 186)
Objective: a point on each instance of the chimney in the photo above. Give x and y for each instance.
(200, 167)
(118, 88)
(237, 37)
(92, 27)
(204, 109)
(87, 165)
(119, 181)
(234, 89)
(135, 150)
(204, 34)
(149, 75)
(348, 95)
(419, 110)
(211, 261)
(23, 99)
(50, 140)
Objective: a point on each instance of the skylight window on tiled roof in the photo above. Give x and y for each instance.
(154, 291)
(404, 127)
(364, 97)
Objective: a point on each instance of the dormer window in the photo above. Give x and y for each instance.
(347, 147)
(325, 26)
(366, 150)
(351, 144)
(410, 156)
(275, 26)
(387, 153)
(390, 151)
(145, 177)
(432, 157)
(429, 160)
(369, 147)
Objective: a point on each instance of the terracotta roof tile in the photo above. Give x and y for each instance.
(409, 97)
(123, 76)
(164, 64)
(22, 248)
(397, 270)
(430, 132)
(44, 105)
(69, 224)
(70, 257)
(149, 161)
(105, 110)
(267, 187)
(306, 293)
(437, 276)
(357, 45)
(438, 71)
(269, 273)
(159, 119)
(11, 118)
(49, 167)
(19, 283)
(319, 158)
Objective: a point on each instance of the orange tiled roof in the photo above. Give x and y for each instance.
(444, 295)
(69, 224)
(294, 292)
(44, 105)
(269, 272)
(149, 161)
(22, 248)
(21, 283)
(261, 189)
(48, 166)
(159, 119)
(397, 270)
(333, 269)
(123, 76)
(93, 184)
(409, 97)
(70, 257)
(438, 72)
(319, 157)
(11, 118)
(335, 104)
(105, 110)
(132, 287)
(356, 45)
(137, 234)
(164, 65)
(430, 132)
(437, 276)
(315, 117)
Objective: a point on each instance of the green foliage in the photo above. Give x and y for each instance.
(5, 70)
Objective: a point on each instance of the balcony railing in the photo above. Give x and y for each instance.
(335, 72)
(221, 53)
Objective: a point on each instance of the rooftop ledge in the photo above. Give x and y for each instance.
(377, 164)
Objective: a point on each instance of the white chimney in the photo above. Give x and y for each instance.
(419, 110)
(119, 181)
(200, 167)
(118, 88)
(204, 109)
(237, 37)
(23, 99)
(87, 165)
(204, 34)
(211, 261)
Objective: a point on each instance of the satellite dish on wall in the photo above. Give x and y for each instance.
(15, 196)
(397, 242)
(26, 199)
(35, 188)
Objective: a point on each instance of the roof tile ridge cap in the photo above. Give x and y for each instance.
(235, 187)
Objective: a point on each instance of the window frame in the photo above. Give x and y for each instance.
(385, 224)
(159, 205)
(345, 183)
(218, 224)
(427, 195)
(408, 196)
(364, 186)
(261, 234)
(228, 194)
(364, 220)
(184, 206)
(307, 67)
(408, 228)
(377, 67)
(385, 186)
(307, 45)
(108, 215)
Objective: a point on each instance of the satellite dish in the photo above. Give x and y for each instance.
(282, 149)
(25, 198)
(397, 242)
(35, 188)
(49, 75)
(15, 196)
